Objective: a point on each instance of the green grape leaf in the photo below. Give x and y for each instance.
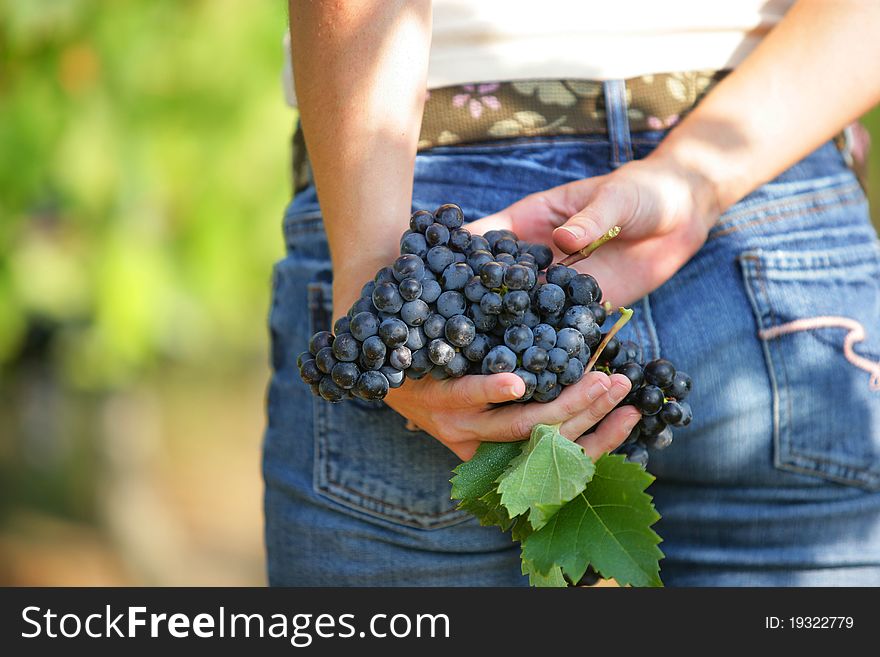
(521, 528)
(608, 525)
(553, 579)
(550, 471)
(488, 510)
(476, 477)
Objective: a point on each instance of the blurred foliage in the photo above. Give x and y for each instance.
(143, 169)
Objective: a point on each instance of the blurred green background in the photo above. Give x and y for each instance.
(144, 150)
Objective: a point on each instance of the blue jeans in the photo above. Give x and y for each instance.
(777, 319)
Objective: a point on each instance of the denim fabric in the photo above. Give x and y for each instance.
(776, 481)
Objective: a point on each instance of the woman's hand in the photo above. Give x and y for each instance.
(460, 412)
(664, 211)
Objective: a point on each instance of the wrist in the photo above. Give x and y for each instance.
(704, 182)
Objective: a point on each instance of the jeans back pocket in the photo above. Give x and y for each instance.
(366, 460)
(818, 318)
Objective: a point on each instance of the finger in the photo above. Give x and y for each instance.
(611, 432)
(479, 390)
(516, 422)
(465, 451)
(610, 206)
(602, 405)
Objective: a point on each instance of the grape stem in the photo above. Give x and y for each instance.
(625, 315)
(587, 251)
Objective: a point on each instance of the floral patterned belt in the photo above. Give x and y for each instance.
(492, 111)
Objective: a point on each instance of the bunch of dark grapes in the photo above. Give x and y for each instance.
(454, 304)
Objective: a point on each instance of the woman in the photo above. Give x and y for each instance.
(745, 246)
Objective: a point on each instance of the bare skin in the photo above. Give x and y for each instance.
(360, 69)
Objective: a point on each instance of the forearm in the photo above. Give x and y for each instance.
(360, 68)
(812, 75)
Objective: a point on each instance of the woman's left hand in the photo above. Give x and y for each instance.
(664, 211)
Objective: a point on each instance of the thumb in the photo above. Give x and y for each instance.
(610, 205)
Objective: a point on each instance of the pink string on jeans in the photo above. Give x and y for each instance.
(856, 334)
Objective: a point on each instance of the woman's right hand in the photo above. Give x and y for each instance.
(461, 413)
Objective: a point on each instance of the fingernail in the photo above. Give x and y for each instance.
(619, 389)
(575, 231)
(511, 391)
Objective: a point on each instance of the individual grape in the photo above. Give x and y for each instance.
(672, 413)
(570, 340)
(635, 453)
(457, 367)
(573, 372)
(580, 318)
(630, 351)
(492, 275)
(451, 303)
(493, 236)
(633, 372)
(531, 382)
(660, 373)
(431, 290)
(660, 441)
(330, 391)
(560, 275)
(303, 357)
(362, 305)
(415, 244)
(530, 318)
(535, 359)
(610, 351)
(440, 351)
(482, 322)
(549, 396)
(542, 254)
(592, 335)
(428, 275)
(456, 276)
(370, 364)
(395, 377)
(385, 275)
(505, 245)
(478, 243)
(325, 360)
(517, 277)
(320, 340)
(416, 338)
(393, 332)
(553, 319)
(372, 385)
(367, 289)
(415, 312)
(363, 325)
(557, 360)
(584, 355)
(516, 301)
(651, 425)
(439, 258)
(476, 259)
(342, 325)
(420, 220)
(492, 303)
(437, 235)
(649, 399)
(475, 290)
(421, 364)
(408, 266)
(400, 358)
(459, 239)
(546, 381)
(387, 298)
(505, 259)
(346, 347)
(500, 359)
(345, 375)
(545, 336)
(450, 215)
(434, 326)
(310, 373)
(686, 414)
(410, 289)
(526, 259)
(373, 348)
(681, 386)
(597, 310)
(518, 338)
(550, 299)
(582, 289)
(460, 331)
(476, 350)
